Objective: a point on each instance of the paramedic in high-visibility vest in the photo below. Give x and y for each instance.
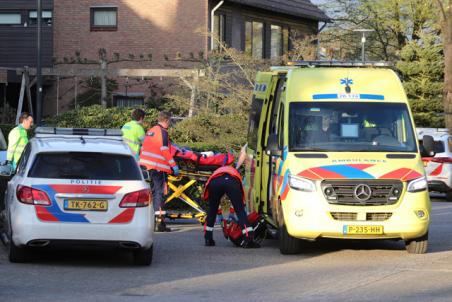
(156, 156)
(133, 132)
(18, 139)
(227, 180)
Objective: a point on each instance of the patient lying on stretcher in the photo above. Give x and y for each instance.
(190, 160)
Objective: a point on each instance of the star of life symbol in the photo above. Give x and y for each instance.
(362, 192)
(346, 82)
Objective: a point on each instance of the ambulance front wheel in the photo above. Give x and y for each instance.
(417, 245)
(288, 245)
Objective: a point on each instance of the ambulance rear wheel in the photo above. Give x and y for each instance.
(417, 245)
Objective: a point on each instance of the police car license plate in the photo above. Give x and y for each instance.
(363, 229)
(85, 205)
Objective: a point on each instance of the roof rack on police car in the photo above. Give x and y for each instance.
(45, 131)
(313, 64)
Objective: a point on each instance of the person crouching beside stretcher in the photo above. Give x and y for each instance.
(156, 156)
(227, 180)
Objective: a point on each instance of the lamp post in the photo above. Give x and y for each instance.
(363, 41)
(38, 67)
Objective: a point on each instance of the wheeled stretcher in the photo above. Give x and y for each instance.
(195, 169)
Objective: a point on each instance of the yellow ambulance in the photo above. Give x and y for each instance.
(332, 153)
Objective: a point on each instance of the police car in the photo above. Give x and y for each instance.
(438, 167)
(79, 187)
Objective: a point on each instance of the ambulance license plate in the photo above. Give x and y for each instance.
(85, 205)
(363, 230)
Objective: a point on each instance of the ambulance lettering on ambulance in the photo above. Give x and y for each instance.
(321, 136)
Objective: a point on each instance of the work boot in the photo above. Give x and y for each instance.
(161, 227)
(208, 237)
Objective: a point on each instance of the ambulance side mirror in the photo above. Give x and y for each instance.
(428, 144)
(273, 145)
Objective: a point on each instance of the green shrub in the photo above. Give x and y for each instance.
(98, 117)
(214, 132)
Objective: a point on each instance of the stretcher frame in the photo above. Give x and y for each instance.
(179, 188)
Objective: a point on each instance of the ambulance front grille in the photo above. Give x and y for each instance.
(378, 216)
(342, 192)
(344, 216)
(351, 216)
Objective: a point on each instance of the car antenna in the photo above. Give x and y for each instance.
(83, 140)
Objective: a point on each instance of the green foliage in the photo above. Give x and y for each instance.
(421, 67)
(211, 132)
(393, 24)
(98, 117)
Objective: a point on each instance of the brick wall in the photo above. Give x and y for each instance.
(144, 26)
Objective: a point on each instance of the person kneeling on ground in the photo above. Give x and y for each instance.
(227, 180)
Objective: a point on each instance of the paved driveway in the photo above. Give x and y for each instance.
(185, 270)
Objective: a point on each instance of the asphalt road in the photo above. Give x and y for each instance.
(185, 270)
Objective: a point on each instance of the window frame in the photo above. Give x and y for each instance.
(219, 30)
(281, 41)
(42, 18)
(12, 13)
(94, 27)
(251, 52)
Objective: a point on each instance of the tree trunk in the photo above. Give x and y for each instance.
(447, 39)
(103, 81)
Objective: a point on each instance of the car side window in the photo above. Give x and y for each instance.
(22, 164)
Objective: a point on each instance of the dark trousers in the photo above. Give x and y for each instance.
(158, 183)
(230, 186)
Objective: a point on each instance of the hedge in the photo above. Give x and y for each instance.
(98, 117)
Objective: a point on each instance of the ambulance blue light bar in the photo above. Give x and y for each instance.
(78, 131)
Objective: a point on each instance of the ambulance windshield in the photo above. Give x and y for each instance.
(352, 127)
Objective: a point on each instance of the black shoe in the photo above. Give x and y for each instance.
(251, 245)
(161, 227)
(209, 242)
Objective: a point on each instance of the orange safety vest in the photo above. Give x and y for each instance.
(155, 152)
(222, 171)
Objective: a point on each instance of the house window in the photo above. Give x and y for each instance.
(123, 101)
(10, 19)
(46, 17)
(104, 18)
(219, 30)
(254, 42)
(276, 46)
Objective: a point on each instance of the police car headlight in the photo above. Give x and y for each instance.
(301, 184)
(417, 185)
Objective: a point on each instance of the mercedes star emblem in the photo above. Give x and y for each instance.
(362, 192)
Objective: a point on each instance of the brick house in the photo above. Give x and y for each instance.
(168, 28)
